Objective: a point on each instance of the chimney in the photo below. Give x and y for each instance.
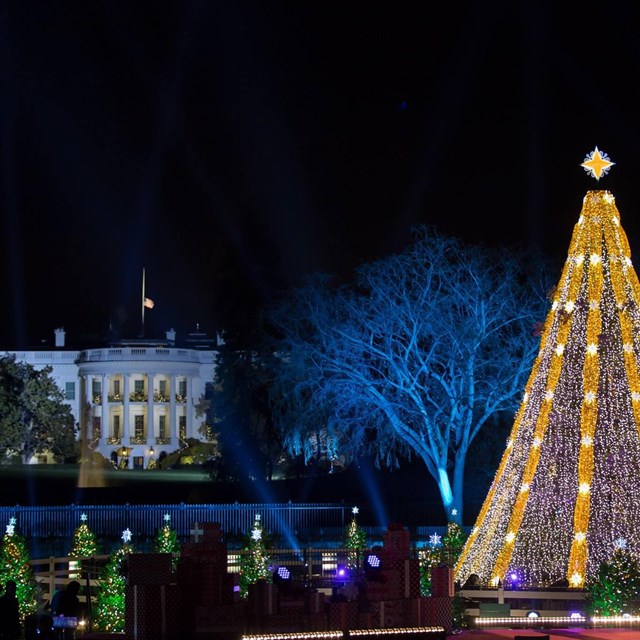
(60, 335)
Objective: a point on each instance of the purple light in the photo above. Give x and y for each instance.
(574, 615)
(341, 572)
(514, 577)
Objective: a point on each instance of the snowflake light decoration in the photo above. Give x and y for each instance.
(126, 536)
(435, 539)
(167, 518)
(11, 527)
(355, 510)
(256, 534)
(83, 517)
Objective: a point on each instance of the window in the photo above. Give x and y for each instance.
(138, 462)
(138, 386)
(139, 427)
(182, 427)
(116, 387)
(116, 426)
(162, 427)
(96, 387)
(182, 388)
(70, 390)
(97, 427)
(162, 387)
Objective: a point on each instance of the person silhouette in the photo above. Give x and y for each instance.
(9, 612)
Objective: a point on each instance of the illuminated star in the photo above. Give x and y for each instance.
(126, 536)
(597, 163)
(355, 510)
(454, 512)
(167, 517)
(12, 521)
(11, 527)
(256, 534)
(257, 517)
(435, 539)
(83, 517)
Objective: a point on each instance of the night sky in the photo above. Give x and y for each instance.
(231, 148)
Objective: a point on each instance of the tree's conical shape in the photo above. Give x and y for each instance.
(567, 491)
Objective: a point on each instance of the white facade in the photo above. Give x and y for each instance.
(132, 401)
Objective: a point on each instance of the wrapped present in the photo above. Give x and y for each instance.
(262, 599)
(149, 568)
(314, 602)
(396, 543)
(152, 612)
(440, 612)
(442, 582)
(412, 578)
(342, 615)
(314, 621)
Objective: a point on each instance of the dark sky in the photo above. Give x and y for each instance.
(230, 148)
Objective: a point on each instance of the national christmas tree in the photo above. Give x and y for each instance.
(566, 492)
(84, 542)
(355, 541)
(110, 596)
(254, 562)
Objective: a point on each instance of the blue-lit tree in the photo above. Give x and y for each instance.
(412, 358)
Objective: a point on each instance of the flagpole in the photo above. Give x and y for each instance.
(143, 274)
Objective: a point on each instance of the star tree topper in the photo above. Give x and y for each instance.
(11, 527)
(126, 536)
(597, 163)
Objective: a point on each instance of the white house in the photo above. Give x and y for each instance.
(134, 399)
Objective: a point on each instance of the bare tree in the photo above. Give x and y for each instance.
(413, 358)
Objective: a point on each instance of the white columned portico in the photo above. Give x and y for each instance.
(190, 430)
(126, 427)
(150, 404)
(173, 422)
(104, 419)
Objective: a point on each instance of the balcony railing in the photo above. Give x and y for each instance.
(116, 397)
(181, 398)
(138, 440)
(114, 440)
(161, 397)
(163, 440)
(97, 398)
(141, 353)
(138, 396)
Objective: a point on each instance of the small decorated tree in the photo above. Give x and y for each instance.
(452, 544)
(166, 540)
(429, 557)
(355, 541)
(615, 588)
(110, 596)
(14, 565)
(84, 543)
(254, 562)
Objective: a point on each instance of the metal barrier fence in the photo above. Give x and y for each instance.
(108, 521)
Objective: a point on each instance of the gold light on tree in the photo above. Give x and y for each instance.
(566, 491)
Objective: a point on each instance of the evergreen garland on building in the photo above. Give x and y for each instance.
(14, 565)
(254, 561)
(84, 543)
(110, 596)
